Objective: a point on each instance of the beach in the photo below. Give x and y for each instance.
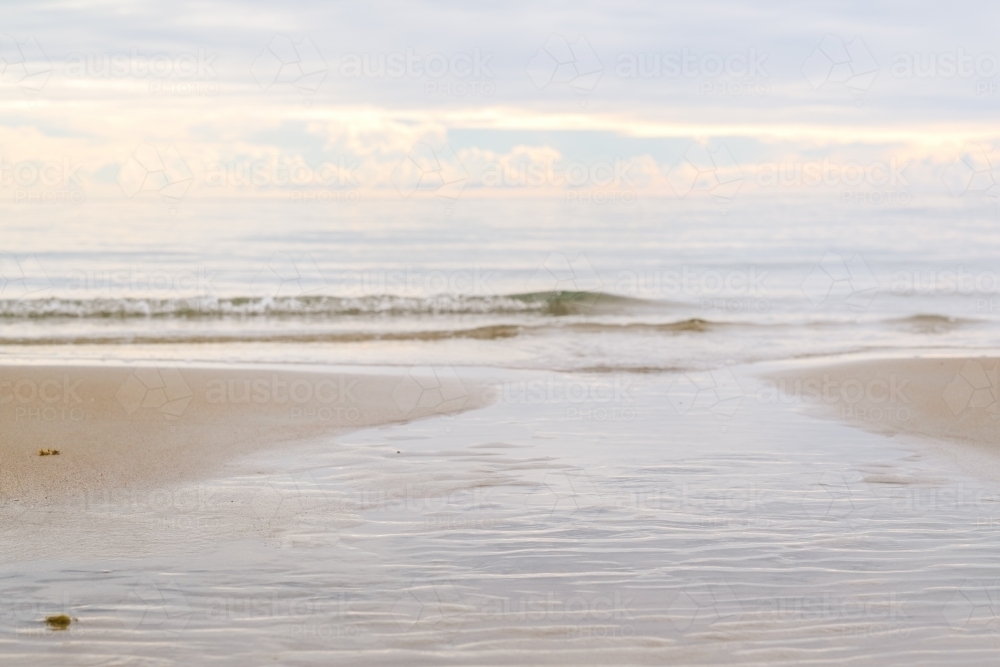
(120, 428)
(538, 471)
(950, 401)
(454, 535)
(427, 334)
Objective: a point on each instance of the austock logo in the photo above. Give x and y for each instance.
(974, 173)
(188, 73)
(43, 182)
(975, 607)
(976, 387)
(290, 63)
(944, 65)
(880, 399)
(293, 508)
(835, 280)
(23, 63)
(152, 169)
(134, 64)
(836, 62)
(415, 65)
(841, 495)
(574, 279)
(446, 607)
(155, 606)
(161, 389)
(439, 390)
(691, 65)
(713, 391)
(560, 62)
(284, 275)
(273, 389)
(701, 604)
(571, 494)
(50, 399)
(22, 277)
(706, 170)
(436, 605)
(832, 174)
(430, 170)
(323, 182)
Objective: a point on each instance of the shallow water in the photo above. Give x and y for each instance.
(539, 531)
(628, 496)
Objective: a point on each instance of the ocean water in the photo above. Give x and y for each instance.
(652, 286)
(628, 495)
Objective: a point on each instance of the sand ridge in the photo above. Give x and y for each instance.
(118, 427)
(953, 401)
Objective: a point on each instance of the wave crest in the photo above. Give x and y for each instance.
(317, 306)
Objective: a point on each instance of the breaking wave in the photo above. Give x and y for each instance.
(320, 306)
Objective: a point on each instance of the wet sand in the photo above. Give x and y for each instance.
(951, 401)
(137, 427)
(760, 537)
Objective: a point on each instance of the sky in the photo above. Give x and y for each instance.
(382, 99)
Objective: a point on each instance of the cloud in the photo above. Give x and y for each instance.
(374, 121)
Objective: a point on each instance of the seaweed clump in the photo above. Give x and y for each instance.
(58, 622)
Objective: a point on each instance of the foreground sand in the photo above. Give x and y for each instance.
(954, 400)
(118, 427)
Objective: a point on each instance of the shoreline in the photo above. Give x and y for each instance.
(948, 401)
(135, 426)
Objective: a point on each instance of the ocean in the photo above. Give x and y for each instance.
(635, 489)
(649, 287)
